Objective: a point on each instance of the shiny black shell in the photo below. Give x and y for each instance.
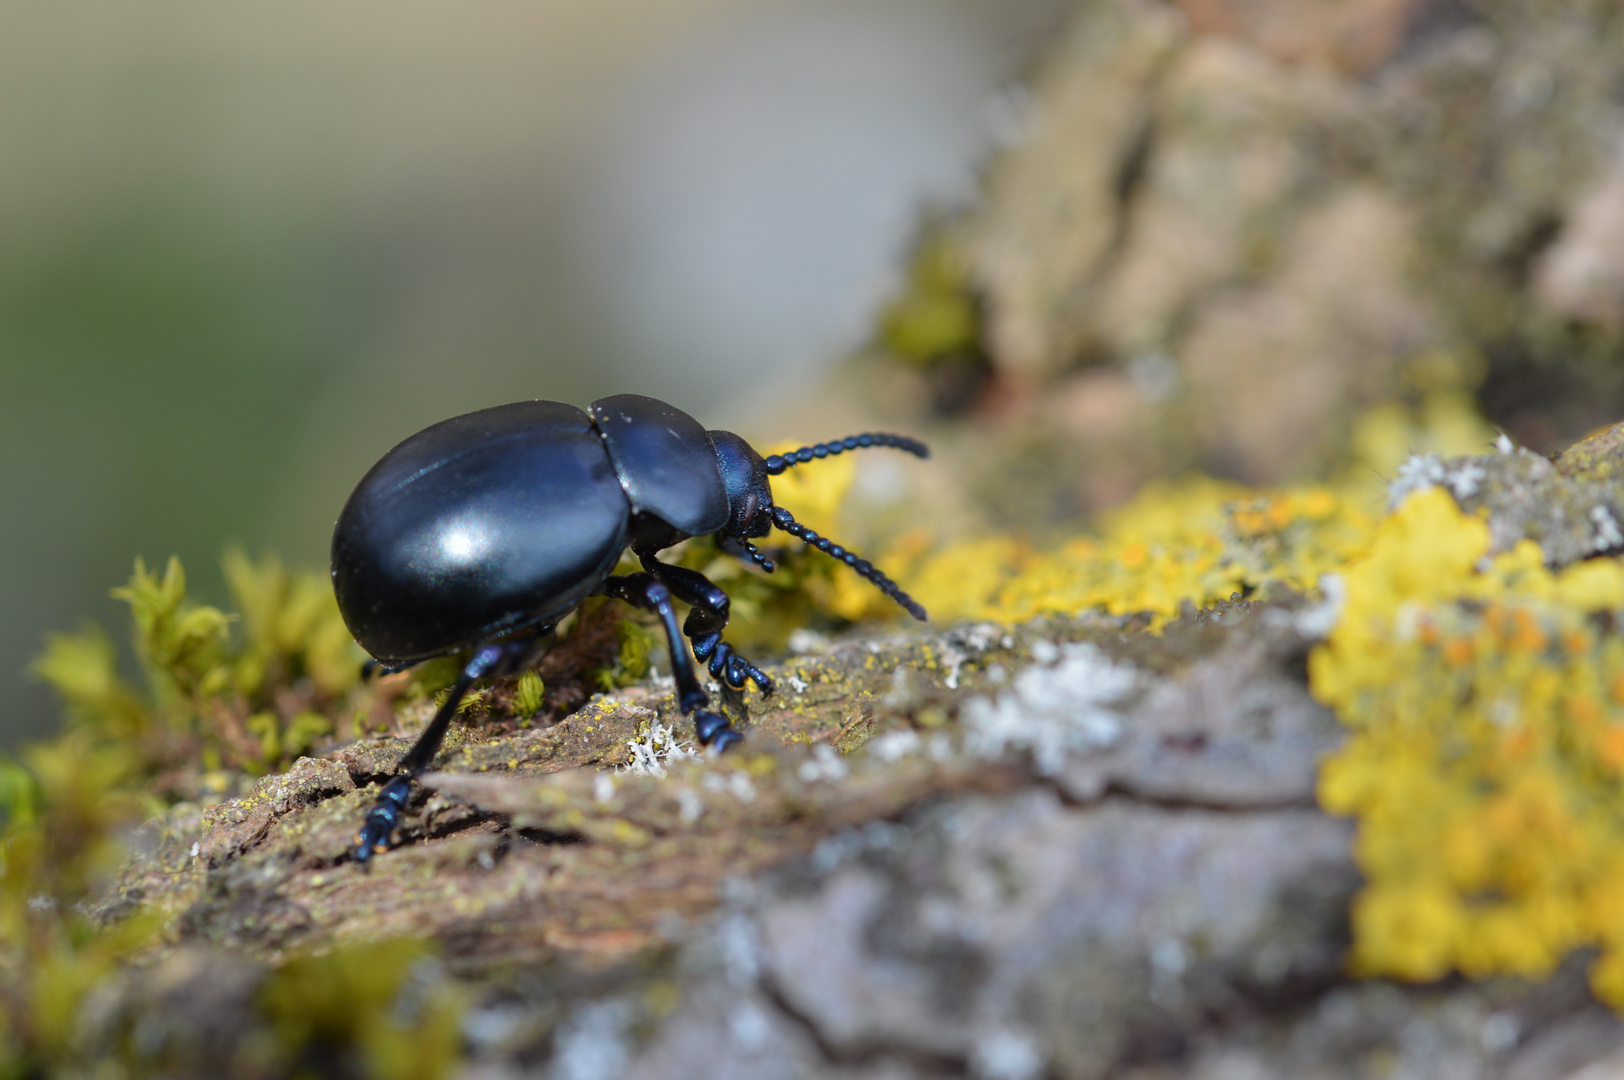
(665, 461)
(498, 519)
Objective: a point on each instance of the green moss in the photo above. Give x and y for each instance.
(66, 805)
(250, 690)
(637, 644)
(247, 691)
(529, 696)
(432, 677)
(936, 316)
(380, 1007)
(83, 668)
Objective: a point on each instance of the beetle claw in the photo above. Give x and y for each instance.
(713, 728)
(727, 666)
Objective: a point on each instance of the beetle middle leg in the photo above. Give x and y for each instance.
(650, 594)
(708, 611)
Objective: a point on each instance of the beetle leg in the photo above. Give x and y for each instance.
(708, 610)
(385, 814)
(650, 594)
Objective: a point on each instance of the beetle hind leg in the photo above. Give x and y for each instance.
(379, 827)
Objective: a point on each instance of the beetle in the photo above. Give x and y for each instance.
(481, 532)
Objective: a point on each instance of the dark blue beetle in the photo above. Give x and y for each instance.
(482, 531)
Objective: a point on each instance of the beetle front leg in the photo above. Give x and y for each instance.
(648, 593)
(707, 616)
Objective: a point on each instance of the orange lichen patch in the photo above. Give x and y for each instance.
(1484, 763)
(1458, 652)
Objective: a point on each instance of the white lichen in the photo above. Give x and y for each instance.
(1316, 621)
(1608, 535)
(1419, 472)
(750, 1027)
(825, 765)
(735, 783)
(803, 641)
(1006, 1055)
(1053, 710)
(1465, 480)
(895, 745)
(739, 944)
(654, 751)
(592, 1044)
(963, 644)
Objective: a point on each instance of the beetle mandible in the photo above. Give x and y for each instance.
(483, 531)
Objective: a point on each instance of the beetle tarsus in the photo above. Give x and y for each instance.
(727, 666)
(714, 730)
(707, 617)
(379, 830)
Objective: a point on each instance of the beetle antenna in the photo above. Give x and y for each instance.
(783, 519)
(760, 559)
(777, 463)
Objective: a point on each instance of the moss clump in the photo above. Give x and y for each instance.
(245, 692)
(631, 665)
(935, 319)
(529, 696)
(64, 807)
(379, 1009)
(249, 691)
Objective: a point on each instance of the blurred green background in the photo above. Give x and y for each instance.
(244, 249)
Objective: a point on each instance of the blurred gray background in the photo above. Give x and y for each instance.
(244, 249)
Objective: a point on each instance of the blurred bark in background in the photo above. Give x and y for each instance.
(1223, 228)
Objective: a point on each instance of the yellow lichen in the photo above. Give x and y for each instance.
(1485, 696)
(1487, 748)
(1178, 545)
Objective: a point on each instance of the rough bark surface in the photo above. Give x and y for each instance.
(1160, 897)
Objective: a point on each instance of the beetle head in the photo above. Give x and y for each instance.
(749, 495)
(751, 512)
